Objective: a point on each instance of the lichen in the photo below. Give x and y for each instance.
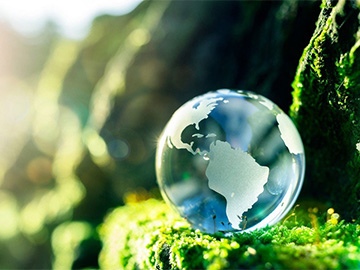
(149, 235)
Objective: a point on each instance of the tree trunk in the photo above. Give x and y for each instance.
(326, 108)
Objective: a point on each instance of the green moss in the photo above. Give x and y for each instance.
(149, 235)
(326, 107)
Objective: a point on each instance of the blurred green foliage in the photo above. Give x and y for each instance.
(55, 166)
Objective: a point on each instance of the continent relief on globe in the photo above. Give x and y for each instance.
(191, 113)
(231, 172)
(237, 176)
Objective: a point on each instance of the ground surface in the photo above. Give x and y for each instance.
(149, 235)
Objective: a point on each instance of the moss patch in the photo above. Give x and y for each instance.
(148, 235)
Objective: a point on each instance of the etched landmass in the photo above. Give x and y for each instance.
(231, 172)
(236, 175)
(191, 113)
(289, 134)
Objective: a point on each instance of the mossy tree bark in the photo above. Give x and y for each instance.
(326, 107)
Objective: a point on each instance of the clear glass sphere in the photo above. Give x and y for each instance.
(230, 161)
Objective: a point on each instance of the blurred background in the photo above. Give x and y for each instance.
(86, 88)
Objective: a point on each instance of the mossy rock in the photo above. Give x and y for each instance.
(149, 235)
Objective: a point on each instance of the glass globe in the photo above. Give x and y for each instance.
(230, 161)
